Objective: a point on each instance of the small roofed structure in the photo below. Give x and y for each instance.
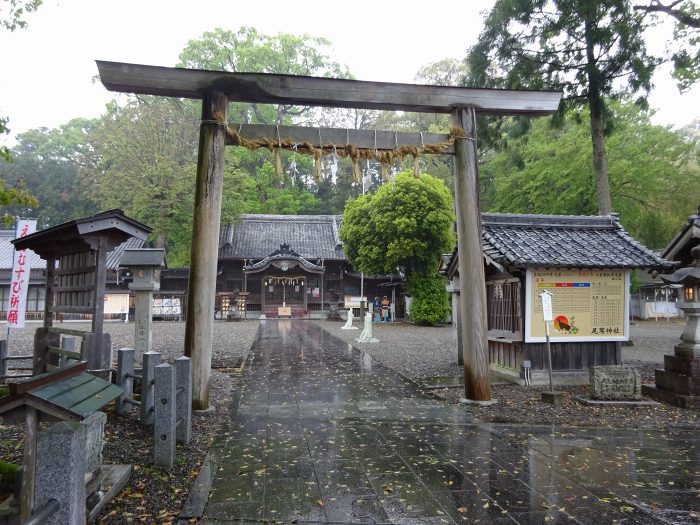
(116, 292)
(687, 237)
(585, 262)
(76, 254)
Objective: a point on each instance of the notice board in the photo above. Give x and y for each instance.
(587, 305)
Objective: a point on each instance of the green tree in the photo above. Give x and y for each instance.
(430, 304)
(142, 158)
(683, 49)
(405, 226)
(589, 49)
(653, 173)
(248, 51)
(47, 161)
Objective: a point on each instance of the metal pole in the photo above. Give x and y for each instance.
(549, 357)
(362, 275)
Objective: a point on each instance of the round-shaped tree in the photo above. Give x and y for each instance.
(404, 227)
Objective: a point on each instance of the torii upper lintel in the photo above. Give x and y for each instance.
(315, 91)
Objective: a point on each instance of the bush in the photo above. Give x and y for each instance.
(430, 305)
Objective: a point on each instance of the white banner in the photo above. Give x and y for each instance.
(19, 280)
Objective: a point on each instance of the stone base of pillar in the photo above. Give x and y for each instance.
(678, 383)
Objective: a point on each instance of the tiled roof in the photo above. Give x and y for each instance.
(257, 236)
(7, 251)
(563, 241)
(688, 236)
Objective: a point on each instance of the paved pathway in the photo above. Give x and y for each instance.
(321, 434)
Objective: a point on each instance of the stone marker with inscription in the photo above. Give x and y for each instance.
(615, 383)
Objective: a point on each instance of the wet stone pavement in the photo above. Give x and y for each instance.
(320, 434)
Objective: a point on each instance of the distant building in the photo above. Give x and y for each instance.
(293, 265)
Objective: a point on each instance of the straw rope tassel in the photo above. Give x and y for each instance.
(278, 163)
(385, 172)
(317, 166)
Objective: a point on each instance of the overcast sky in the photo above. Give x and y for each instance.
(48, 68)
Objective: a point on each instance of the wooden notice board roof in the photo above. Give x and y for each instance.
(68, 393)
(72, 236)
(316, 91)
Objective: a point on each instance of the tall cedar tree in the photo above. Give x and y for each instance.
(589, 49)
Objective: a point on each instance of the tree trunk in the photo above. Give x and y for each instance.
(477, 380)
(201, 292)
(595, 103)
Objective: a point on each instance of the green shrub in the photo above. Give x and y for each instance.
(8, 471)
(430, 305)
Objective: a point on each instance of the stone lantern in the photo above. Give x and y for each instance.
(679, 382)
(689, 277)
(145, 265)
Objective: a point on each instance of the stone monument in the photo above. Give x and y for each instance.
(615, 383)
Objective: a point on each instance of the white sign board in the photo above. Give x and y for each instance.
(19, 280)
(117, 303)
(547, 306)
(354, 301)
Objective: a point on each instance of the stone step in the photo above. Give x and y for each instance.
(678, 383)
(672, 398)
(682, 365)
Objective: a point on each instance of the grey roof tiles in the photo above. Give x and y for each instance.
(563, 241)
(257, 236)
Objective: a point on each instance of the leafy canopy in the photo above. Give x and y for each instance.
(569, 45)
(430, 304)
(653, 176)
(589, 49)
(406, 225)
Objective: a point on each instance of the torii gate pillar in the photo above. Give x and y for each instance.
(201, 291)
(477, 383)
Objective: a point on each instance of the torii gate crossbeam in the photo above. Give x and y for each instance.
(217, 88)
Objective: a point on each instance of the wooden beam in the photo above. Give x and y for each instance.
(201, 294)
(328, 92)
(360, 138)
(477, 381)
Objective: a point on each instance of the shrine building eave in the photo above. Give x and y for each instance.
(326, 92)
(284, 262)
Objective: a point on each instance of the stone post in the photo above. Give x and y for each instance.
(142, 321)
(125, 368)
(60, 472)
(94, 440)
(148, 374)
(164, 426)
(183, 410)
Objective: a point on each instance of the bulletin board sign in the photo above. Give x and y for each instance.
(587, 304)
(116, 303)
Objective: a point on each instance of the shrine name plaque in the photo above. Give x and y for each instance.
(587, 304)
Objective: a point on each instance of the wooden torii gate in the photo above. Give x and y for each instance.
(217, 88)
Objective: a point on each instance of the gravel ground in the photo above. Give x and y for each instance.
(421, 352)
(413, 351)
(154, 496)
(417, 351)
